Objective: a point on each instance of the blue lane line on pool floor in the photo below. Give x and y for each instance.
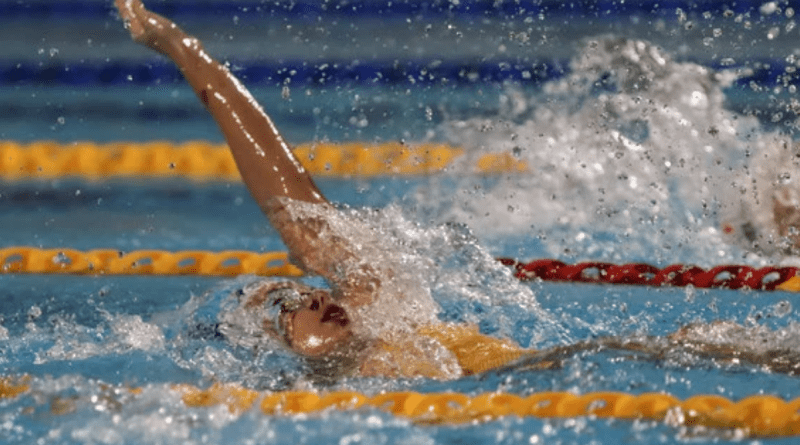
(370, 8)
(764, 73)
(296, 73)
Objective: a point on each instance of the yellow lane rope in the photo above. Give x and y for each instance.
(758, 415)
(203, 161)
(145, 262)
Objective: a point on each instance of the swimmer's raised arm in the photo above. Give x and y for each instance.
(268, 167)
(265, 161)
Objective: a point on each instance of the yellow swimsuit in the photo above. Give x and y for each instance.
(473, 351)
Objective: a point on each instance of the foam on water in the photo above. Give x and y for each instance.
(121, 334)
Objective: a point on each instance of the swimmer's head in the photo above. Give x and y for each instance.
(307, 319)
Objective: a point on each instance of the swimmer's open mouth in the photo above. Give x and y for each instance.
(336, 314)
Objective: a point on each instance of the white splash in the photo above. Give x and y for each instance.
(76, 342)
(631, 143)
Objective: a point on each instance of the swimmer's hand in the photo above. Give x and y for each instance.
(132, 12)
(144, 26)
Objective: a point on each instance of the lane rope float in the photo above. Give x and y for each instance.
(24, 259)
(723, 276)
(204, 161)
(145, 262)
(754, 416)
(757, 415)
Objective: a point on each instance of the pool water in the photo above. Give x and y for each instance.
(647, 128)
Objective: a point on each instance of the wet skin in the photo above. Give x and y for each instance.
(271, 173)
(318, 327)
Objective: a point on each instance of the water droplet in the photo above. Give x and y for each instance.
(34, 312)
(782, 308)
(768, 8)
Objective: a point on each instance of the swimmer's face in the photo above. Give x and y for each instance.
(316, 326)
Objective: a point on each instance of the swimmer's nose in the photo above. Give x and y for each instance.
(335, 314)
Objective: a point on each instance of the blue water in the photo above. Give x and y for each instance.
(614, 179)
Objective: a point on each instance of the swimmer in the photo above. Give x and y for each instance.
(763, 211)
(335, 329)
(336, 325)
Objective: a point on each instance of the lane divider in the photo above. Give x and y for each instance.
(145, 262)
(204, 161)
(754, 416)
(723, 276)
(24, 259)
(757, 415)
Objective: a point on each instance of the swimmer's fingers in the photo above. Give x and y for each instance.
(145, 27)
(130, 11)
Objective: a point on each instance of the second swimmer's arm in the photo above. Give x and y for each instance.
(265, 161)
